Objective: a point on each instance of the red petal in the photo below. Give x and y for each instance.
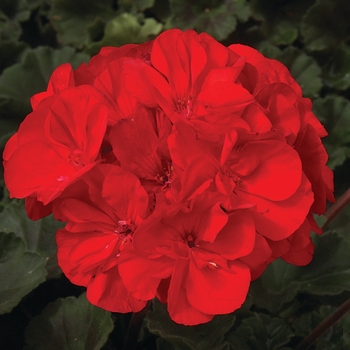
(180, 58)
(260, 255)
(106, 290)
(217, 54)
(193, 174)
(10, 147)
(140, 157)
(92, 249)
(82, 216)
(179, 308)
(129, 199)
(34, 167)
(270, 169)
(205, 219)
(236, 239)
(61, 78)
(79, 119)
(301, 248)
(225, 94)
(147, 85)
(213, 290)
(32, 127)
(141, 276)
(279, 219)
(36, 210)
(256, 118)
(77, 274)
(284, 116)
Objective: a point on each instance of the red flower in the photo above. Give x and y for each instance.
(87, 73)
(147, 155)
(264, 175)
(189, 80)
(198, 248)
(61, 78)
(98, 228)
(58, 142)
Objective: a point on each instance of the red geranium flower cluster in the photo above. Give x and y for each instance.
(182, 168)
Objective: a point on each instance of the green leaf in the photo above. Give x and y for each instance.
(143, 4)
(185, 337)
(12, 12)
(217, 18)
(70, 323)
(304, 70)
(280, 19)
(269, 50)
(334, 112)
(336, 71)
(10, 53)
(335, 337)
(327, 274)
(341, 224)
(20, 81)
(217, 22)
(72, 18)
(261, 332)
(39, 235)
(241, 9)
(278, 285)
(15, 9)
(126, 29)
(325, 24)
(307, 322)
(337, 155)
(96, 29)
(20, 271)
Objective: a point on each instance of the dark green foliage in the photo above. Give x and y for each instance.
(182, 337)
(20, 271)
(71, 323)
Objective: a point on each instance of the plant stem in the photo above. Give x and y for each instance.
(131, 337)
(336, 208)
(324, 326)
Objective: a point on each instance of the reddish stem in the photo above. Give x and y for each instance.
(337, 207)
(343, 309)
(324, 326)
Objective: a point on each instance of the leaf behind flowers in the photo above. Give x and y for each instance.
(20, 271)
(39, 235)
(327, 274)
(70, 323)
(188, 337)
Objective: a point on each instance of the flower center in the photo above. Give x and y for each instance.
(184, 106)
(78, 158)
(236, 178)
(124, 231)
(190, 241)
(164, 179)
(124, 228)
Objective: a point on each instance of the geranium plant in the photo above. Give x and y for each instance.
(182, 169)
